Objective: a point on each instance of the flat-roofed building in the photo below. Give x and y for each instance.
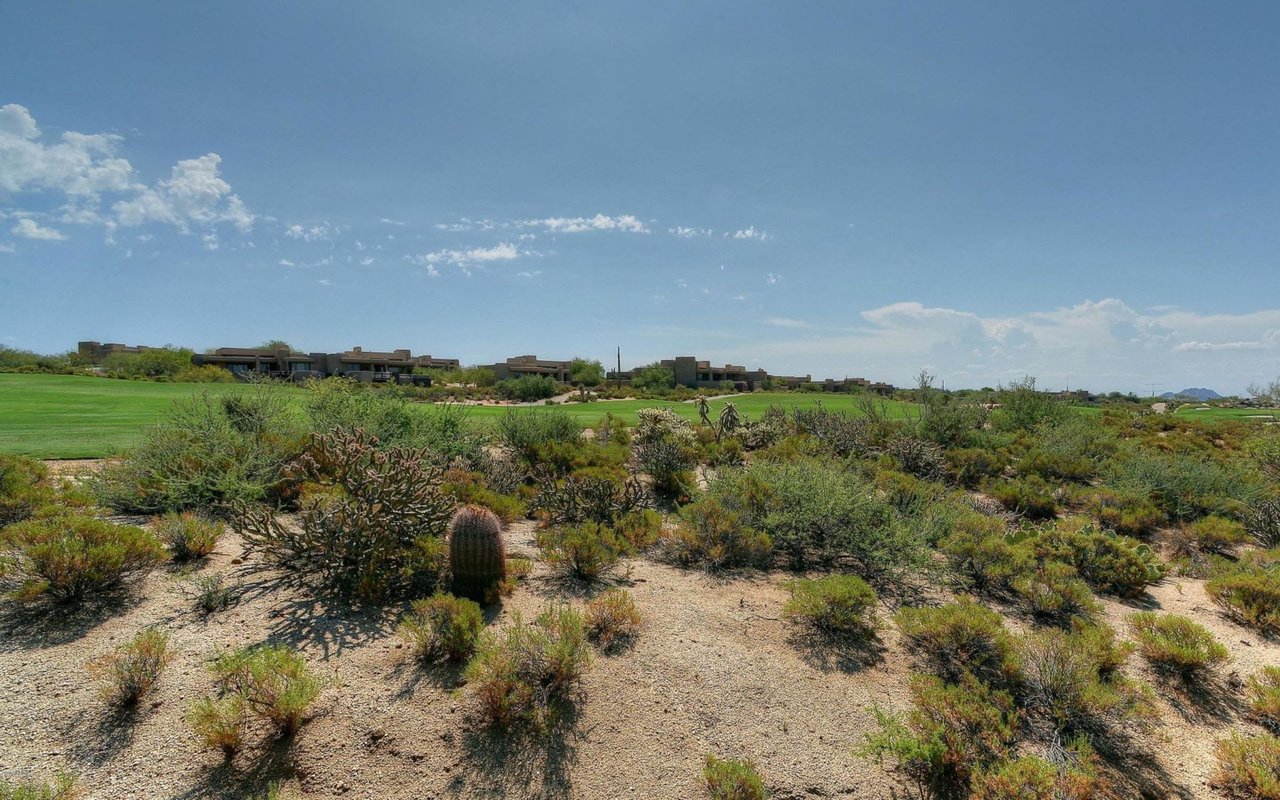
(518, 366)
(97, 352)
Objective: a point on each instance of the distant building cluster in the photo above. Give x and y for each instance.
(398, 366)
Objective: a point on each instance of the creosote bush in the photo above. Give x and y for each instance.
(715, 537)
(1217, 534)
(187, 535)
(1035, 778)
(732, 779)
(219, 722)
(962, 638)
(1250, 595)
(612, 619)
(1071, 679)
(63, 787)
(129, 672)
(526, 673)
(840, 604)
(587, 551)
(1176, 643)
(442, 625)
(1249, 766)
(271, 682)
(24, 487)
(69, 557)
(952, 730)
(1263, 694)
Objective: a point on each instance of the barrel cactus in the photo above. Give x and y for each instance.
(477, 556)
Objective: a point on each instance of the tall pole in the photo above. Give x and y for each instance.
(619, 372)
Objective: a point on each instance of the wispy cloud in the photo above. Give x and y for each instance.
(625, 223)
(771, 278)
(787, 322)
(749, 233)
(682, 232)
(469, 258)
(319, 232)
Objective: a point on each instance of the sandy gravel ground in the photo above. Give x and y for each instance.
(715, 670)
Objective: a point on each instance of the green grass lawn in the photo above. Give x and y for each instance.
(68, 416)
(1215, 414)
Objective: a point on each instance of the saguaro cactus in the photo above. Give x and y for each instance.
(477, 556)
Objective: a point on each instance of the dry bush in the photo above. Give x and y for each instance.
(442, 625)
(840, 604)
(1176, 643)
(586, 551)
(71, 557)
(732, 779)
(1249, 766)
(612, 619)
(1263, 692)
(188, 536)
(62, 788)
(129, 672)
(962, 638)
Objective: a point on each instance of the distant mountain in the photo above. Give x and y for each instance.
(1194, 394)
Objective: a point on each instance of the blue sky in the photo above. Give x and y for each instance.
(1087, 193)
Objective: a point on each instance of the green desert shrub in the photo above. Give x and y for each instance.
(272, 682)
(715, 537)
(468, 488)
(665, 447)
(212, 593)
(523, 432)
(1263, 693)
(187, 535)
(70, 557)
(732, 779)
(1262, 521)
(24, 487)
(211, 451)
(1249, 766)
(917, 457)
(1028, 496)
(1183, 487)
(526, 673)
(219, 722)
(587, 551)
(987, 559)
(1052, 591)
(953, 730)
(383, 412)
(961, 638)
(63, 787)
(971, 466)
(834, 604)
(1107, 561)
(442, 625)
(817, 510)
(1125, 513)
(612, 619)
(1250, 595)
(379, 532)
(590, 497)
(1176, 643)
(1216, 534)
(1075, 777)
(1071, 679)
(528, 388)
(1022, 407)
(128, 672)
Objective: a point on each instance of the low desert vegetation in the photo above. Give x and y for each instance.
(1002, 528)
(61, 787)
(442, 625)
(129, 672)
(527, 674)
(732, 779)
(612, 619)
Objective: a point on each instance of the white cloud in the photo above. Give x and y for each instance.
(1100, 345)
(5, 247)
(27, 228)
(749, 233)
(194, 192)
(625, 223)
(210, 241)
(466, 224)
(366, 261)
(473, 257)
(311, 233)
(284, 262)
(787, 322)
(388, 221)
(688, 233)
(529, 273)
(84, 167)
(771, 278)
(325, 282)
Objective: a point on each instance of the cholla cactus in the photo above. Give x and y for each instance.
(663, 424)
(729, 420)
(477, 555)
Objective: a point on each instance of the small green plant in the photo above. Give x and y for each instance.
(129, 672)
(1071, 679)
(586, 551)
(1072, 775)
(961, 638)
(1217, 534)
(1107, 561)
(24, 487)
(953, 730)
(1250, 595)
(835, 604)
(219, 722)
(71, 557)
(212, 593)
(527, 672)
(612, 619)
(732, 779)
(1263, 693)
(715, 537)
(62, 788)
(442, 625)
(1249, 766)
(272, 681)
(1053, 592)
(187, 535)
(1176, 643)
(1029, 496)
